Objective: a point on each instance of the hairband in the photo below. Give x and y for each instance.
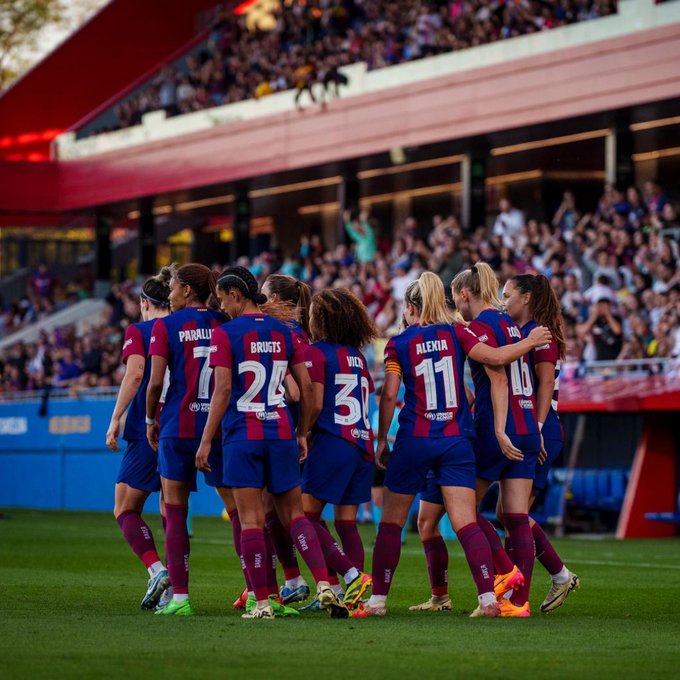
(158, 303)
(222, 279)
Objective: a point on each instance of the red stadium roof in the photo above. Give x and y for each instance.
(122, 42)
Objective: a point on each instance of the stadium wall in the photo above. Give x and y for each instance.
(58, 461)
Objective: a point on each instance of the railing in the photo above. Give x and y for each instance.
(621, 368)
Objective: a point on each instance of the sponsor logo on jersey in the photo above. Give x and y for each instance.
(267, 415)
(127, 343)
(196, 407)
(542, 347)
(442, 416)
(360, 434)
(431, 346)
(483, 338)
(526, 403)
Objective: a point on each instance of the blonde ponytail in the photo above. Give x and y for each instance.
(427, 296)
(482, 283)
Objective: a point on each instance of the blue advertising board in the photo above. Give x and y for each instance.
(59, 460)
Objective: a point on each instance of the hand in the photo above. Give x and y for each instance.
(363, 215)
(152, 436)
(202, 457)
(540, 336)
(302, 447)
(112, 435)
(509, 450)
(542, 454)
(382, 455)
(346, 215)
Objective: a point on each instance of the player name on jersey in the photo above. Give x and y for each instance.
(195, 334)
(355, 362)
(431, 346)
(267, 346)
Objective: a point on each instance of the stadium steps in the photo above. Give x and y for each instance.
(85, 309)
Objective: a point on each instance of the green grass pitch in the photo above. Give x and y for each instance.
(69, 607)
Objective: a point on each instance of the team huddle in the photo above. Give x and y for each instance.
(266, 392)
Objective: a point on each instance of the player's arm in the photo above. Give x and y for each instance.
(501, 356)
(499, 401)
(388, 402)
(545, 374)
(153, 397)
(317, 402)
(304, 383)
(292, 391)
(219, 401)
(134, 374)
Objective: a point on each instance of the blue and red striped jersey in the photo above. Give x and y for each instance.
(183, 339)
(301, 338)
(343, 372)
(552, 429)
(136, 342)
(258, 349)
(431, 360)
(497, 329)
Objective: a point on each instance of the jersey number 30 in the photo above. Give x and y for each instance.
(355, 411)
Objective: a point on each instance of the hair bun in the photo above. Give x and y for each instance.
(259, 299)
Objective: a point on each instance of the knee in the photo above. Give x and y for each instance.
(427, 529)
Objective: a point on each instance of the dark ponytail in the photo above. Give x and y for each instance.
(201, 280)
(544, 307)
(241, 279)
(157, 288)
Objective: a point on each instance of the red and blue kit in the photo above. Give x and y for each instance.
(430, 360)
(435, 424)
(339, 468)
(553, 435)
(497, 329)
(258, 350)
(343, 371)
(139, 466)
(183, 339)
(136, 342)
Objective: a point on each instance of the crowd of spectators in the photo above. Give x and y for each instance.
(309, 41)
(44, 295)
(615, 269)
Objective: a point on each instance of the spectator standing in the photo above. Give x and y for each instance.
(509, 224)
(603, 333)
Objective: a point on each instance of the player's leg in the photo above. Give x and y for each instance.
(515, 493)
(348, 531)
(387, 549)
(460, 507)
(227, 496)
(563, 580)
(430, 513)
(295, 588)
(129, 503)
(177, 545)
(289, 508)
(282, 475)
(137, 478)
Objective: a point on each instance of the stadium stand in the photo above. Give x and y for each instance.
(308, 45)
(622, 251)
